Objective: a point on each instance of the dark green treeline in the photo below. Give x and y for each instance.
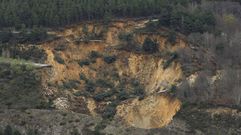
(55, 13)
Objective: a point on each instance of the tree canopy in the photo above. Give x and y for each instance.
(55, 13)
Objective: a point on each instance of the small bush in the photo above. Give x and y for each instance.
(125, 36)
(72, 84)
(135, 83)
(150, 46)
(83, 77)
(79, 93)
(104, 83)
(123, 95)
(140, 92)
(110, 110)
(58, 58)
(90, 86)
(85, 62)
(60, 47)
(173, 89)
(45, 105)
(170, 60)
(172, 37)
(102, 96)
(109, 59)
(94, 55)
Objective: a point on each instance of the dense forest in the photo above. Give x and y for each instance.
(54, 13)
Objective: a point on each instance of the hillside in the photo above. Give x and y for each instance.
(113, 67)
(115, 79)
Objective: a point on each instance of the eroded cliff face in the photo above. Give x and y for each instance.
(144, 68)
(152, 112)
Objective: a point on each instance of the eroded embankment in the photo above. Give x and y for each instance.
(152, 112)
(99, 76)
(103, 70)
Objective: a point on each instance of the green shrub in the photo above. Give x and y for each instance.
(122, 95)
(45, 105)
(60, 47)
(83, 77)
(172, 37)
(58, 58)
(109, 59)
(173, 89)
(85, 62)
(71, 84)
(78, 93)
(170, 60)
(110, 111)
(104, 83)
(94, 55)
(150, 46)
(140, 92)
(125, 36)
(135, 83)
(90, 86)
(102, 96)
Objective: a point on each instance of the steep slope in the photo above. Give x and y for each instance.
(113, 69)
(104, 71)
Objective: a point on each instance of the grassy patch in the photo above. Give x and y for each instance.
(14, 63)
